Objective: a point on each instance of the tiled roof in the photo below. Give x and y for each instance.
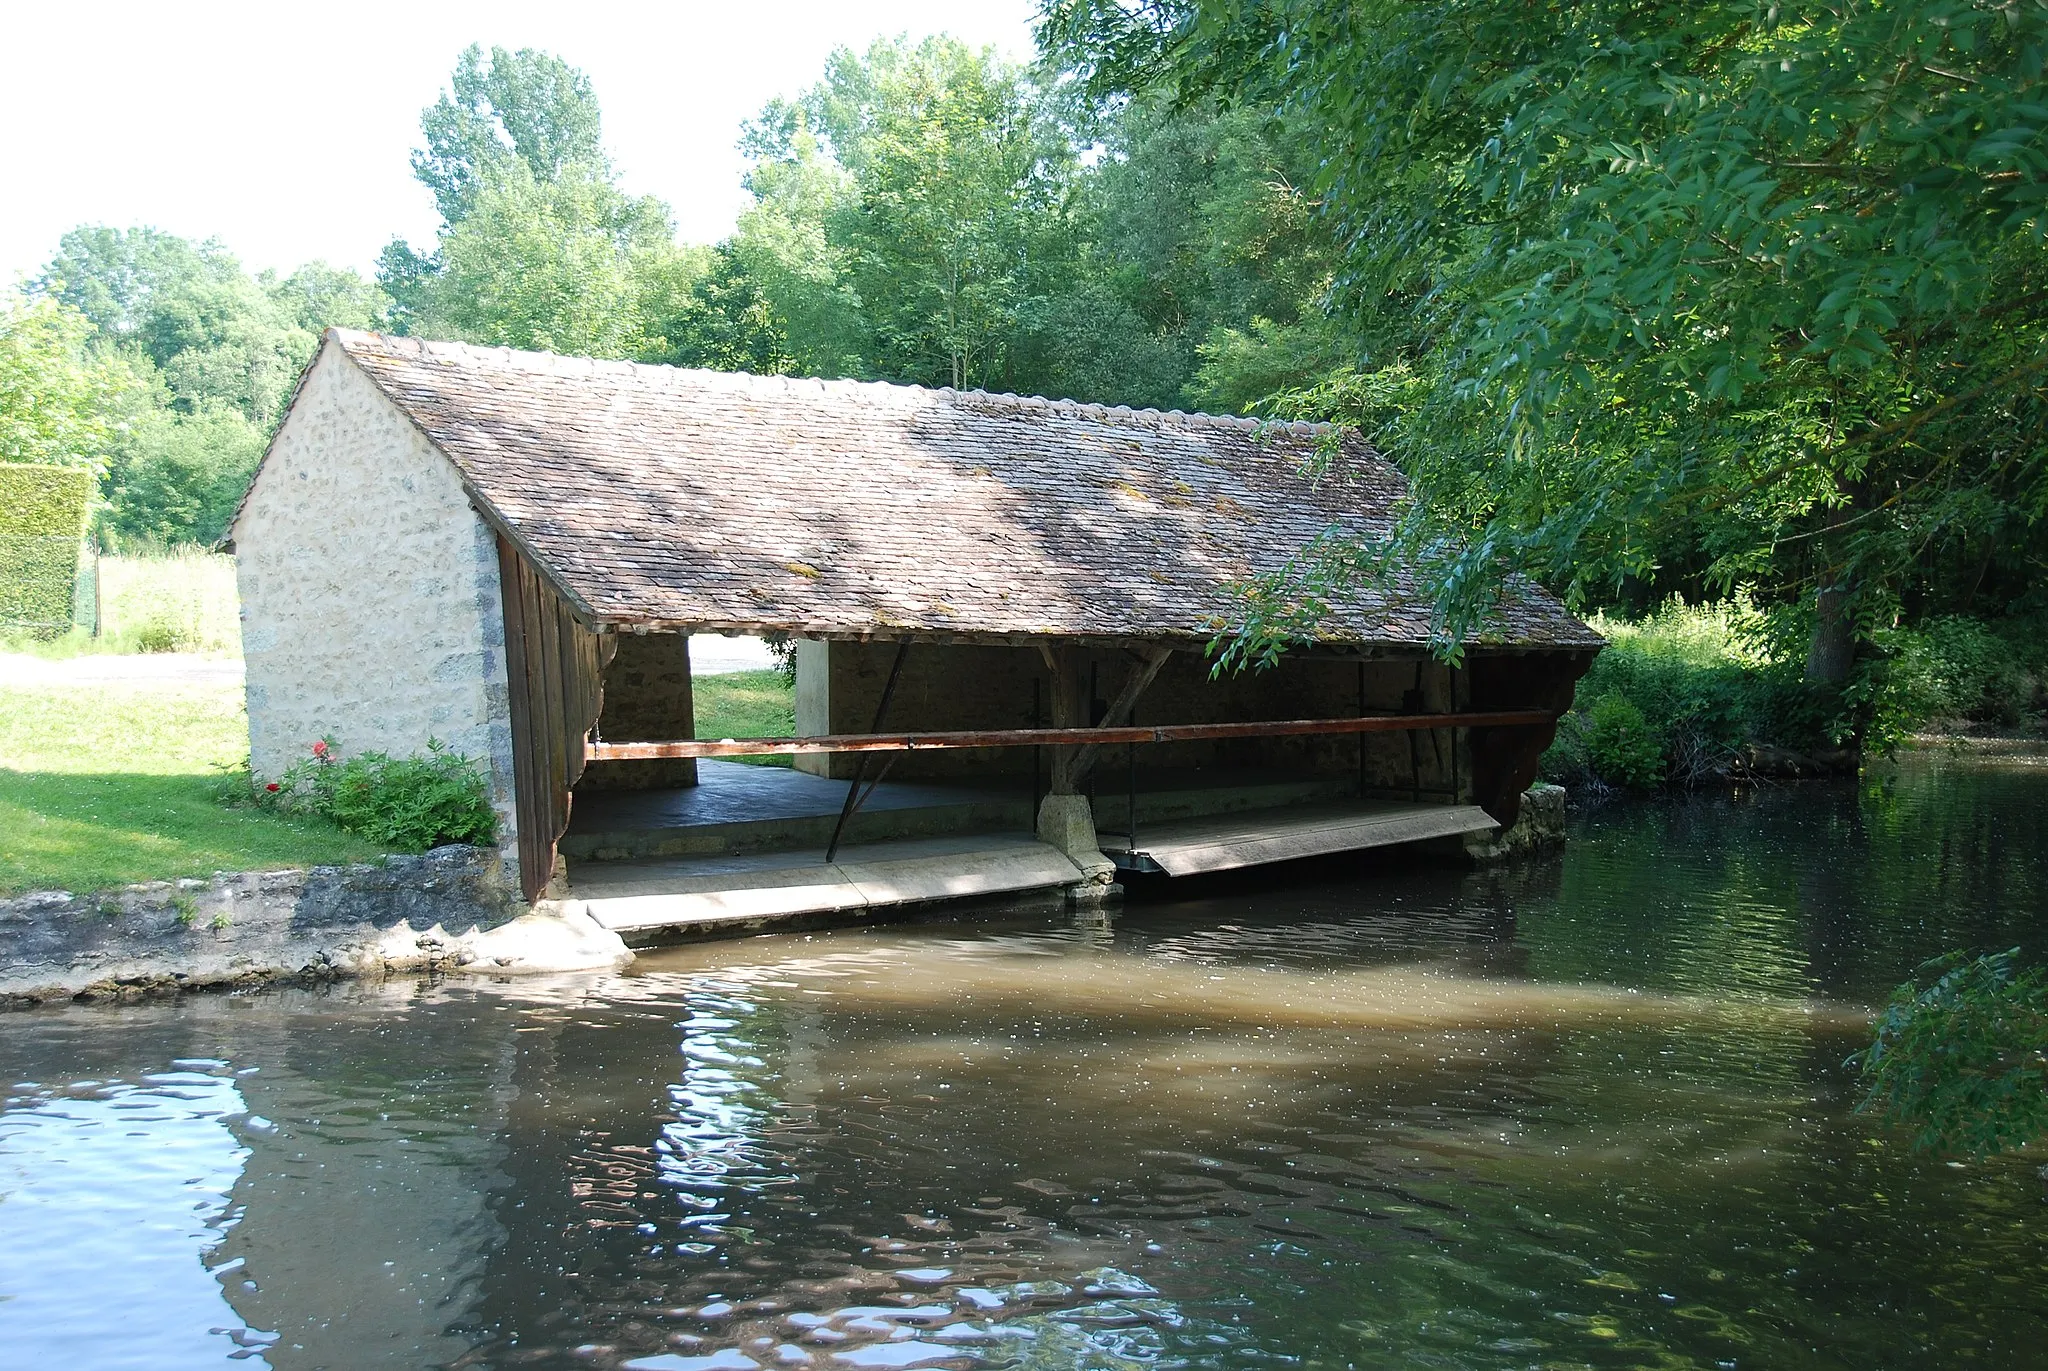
(719, 501)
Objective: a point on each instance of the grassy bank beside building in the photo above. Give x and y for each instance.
(124, 775)
(109, 783)
(105, 784)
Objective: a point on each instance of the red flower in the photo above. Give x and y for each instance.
(272, 787)
(320, 748)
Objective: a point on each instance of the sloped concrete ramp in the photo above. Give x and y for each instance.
(1254, 837)
(658, 899)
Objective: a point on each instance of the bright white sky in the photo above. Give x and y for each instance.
(284, 130)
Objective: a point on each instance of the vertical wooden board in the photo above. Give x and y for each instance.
(551, 710)
(553, 666)
(528, 791)
(581, 686)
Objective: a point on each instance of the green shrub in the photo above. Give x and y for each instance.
(1702, 684)
(1620, 746)
(1953, 670)
(406, 804)
(1961, 1055)
(1709, 681)
(162, 633)
(42, 525)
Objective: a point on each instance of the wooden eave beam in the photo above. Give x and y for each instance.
(1060, 737)
(1324, 652)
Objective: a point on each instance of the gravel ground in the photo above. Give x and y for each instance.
(141, 669)
(710, 655)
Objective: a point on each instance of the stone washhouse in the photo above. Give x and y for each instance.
(1001, 609)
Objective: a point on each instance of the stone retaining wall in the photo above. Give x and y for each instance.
(447, 910)
(1538, 828)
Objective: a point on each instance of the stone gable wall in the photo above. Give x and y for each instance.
(370, 599)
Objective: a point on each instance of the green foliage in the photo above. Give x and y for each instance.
(1957, 670)
(60, 402)
(1961, 1055)
(1696, 295)
(961, 179)
(557, 266)
(404, 804)
(42, 519)
(930, 214)
(526, 106)
(190, 361)
(177, 477)
(39, 501)
(1710, 682)
(187, 317)
(1620, 745)
(1702, 683)
(539, 248)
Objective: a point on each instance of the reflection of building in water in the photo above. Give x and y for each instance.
(375, 1151)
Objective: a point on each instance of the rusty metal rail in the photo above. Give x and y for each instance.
(1068, 737)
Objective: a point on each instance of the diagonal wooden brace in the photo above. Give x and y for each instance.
(1141, 675)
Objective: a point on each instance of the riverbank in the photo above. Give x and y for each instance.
(1705, 695)
(448, 910)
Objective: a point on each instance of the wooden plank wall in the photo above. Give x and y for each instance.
(554, 668)
(1504, 760)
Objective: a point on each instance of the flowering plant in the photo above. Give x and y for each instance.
(407, 803)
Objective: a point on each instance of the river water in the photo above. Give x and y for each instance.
(1589, 1113)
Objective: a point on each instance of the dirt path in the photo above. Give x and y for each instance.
(141, 669)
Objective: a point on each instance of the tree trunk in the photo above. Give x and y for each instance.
(1832, 651)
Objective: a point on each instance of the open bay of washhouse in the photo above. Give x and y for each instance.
(1362, 1112)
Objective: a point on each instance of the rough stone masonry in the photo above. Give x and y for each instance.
(448, 910)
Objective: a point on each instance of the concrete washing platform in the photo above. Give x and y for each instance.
(660, 899)
(736, 808)
(1251, 838)
(744, 850)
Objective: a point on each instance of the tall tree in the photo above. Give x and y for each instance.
(527, 105)
(200, 357)
(190, 312)
(539, 248)
(959, 181)
(1751, 293)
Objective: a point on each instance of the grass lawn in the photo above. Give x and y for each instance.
(746, 704)
(104, 785)
(181, 601)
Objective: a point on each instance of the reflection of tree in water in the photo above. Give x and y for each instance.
(988, 1119)
(1836, 889)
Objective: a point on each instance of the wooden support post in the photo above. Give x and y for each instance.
(1069, 710)
(1361, 737)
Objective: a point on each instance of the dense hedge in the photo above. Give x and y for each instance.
(42, 522)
